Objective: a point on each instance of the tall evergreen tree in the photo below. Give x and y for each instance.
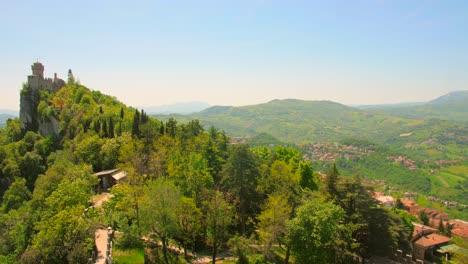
(331, 180)
(104, 129)
(171, 127)
(136, 124)
(71, 78)
(161, 129)
(111, 128)
(239, 177)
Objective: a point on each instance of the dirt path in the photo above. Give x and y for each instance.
(443, 181)
(100, 237)
(103, 198)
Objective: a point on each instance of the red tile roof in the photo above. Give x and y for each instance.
(422, 229)
(432, 240)
(459, 228)
(460, 232)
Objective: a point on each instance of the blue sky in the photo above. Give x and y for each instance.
(240, 52)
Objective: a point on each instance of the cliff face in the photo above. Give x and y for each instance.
(29, 117)
(29, 100)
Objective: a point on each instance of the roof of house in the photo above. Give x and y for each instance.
(411, 205)
(106, 172)
(422, 229)
(459, 227)
(432, 240)
(460, 232)
(385, 199)
(120, 175)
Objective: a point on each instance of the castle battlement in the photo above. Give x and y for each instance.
(37, 80)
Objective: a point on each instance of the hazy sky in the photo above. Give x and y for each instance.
(240, 52)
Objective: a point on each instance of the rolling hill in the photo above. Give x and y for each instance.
(297, 121)
(452, 106)
(429, 143)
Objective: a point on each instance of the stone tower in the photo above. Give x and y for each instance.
(38, 69)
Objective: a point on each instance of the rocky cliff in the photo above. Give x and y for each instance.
(29, 100)
(31, 119)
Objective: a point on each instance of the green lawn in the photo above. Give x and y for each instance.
(131, 256)
(451, 178)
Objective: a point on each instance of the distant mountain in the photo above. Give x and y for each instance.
(178, 108)
(9, 112)
(453, 97)
(397, 105)
(298, 121)
(452, 106)
(4, 118)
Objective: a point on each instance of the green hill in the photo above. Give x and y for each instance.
(300, 122)
(429, 143)
(452, 106)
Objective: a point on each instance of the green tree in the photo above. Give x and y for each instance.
(16, 195)
(71, 78)
(111, 128)
(66, 237)
(218, 219)
(424, 217)
(158, 212)
(136, 124)
(171, 127)
(88, 151)
(240, 176)
(307, 176)
(441, 227)
(272, 221)
(399, 204)
(315, 232)
(189, 223)
(331, 180)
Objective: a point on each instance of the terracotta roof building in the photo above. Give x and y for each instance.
(425, 246)
(420, 230)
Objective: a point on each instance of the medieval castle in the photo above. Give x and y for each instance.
(37, 80)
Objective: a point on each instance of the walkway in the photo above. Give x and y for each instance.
(100, 237)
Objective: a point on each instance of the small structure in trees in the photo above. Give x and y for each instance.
(109, 178)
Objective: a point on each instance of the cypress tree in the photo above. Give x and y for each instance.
(111, 128)
(441, 227)
(121, 113)
(448, 229)
(161, 129)
(97, 126)
(331, 181)
(136, 124)
(119, 129)
(104, 129)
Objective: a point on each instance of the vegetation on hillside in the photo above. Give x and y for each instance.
(452, 106)
(185, 185)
